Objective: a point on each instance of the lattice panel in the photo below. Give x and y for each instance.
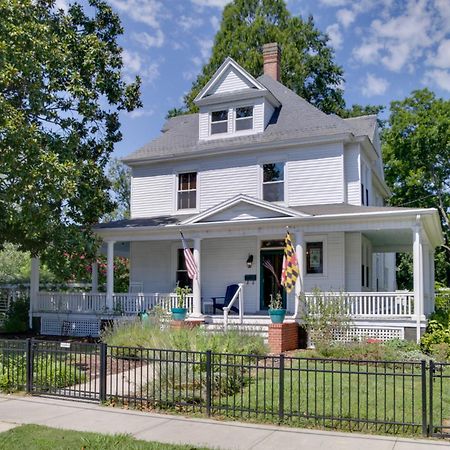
(362, 333)
(56, 327)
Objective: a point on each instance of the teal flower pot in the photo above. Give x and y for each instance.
(179, 314)
(277, 315)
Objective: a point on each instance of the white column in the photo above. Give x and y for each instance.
(299, 237)
(432, 280)
(418, 277)
(110, 275)
(34, 288)
(94, 269)
(196, 282)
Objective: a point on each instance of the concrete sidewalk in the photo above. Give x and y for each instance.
(75, 415)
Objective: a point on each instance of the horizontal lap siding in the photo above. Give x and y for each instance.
(223, 263)
(230, 81)
(352, 177)
(334, 280)
(151, 264)
(316, 177)
(152, 190)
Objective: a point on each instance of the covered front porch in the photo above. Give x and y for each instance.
(345, 254)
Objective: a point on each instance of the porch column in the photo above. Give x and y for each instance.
(196, 282)
(299, 237)
(432, 281)
(34, 288)
(418, 277)
(110, 276)
(94, 270)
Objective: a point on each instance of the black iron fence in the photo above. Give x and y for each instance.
(375, 396)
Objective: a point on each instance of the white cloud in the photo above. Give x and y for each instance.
(401, 38)
(149, 12)
(335, 35)
(211, 3)
(134, 64)
(137, 113)
(61, 4)
(346, 17)
(334, 3)
(374, 85)
(215, 22)
(147, 40)
(438, 77)
(205, 48)
(442, 57)
(187, 22)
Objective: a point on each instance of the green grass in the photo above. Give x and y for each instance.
(36, 437)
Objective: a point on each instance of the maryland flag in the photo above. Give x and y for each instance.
(290, 270)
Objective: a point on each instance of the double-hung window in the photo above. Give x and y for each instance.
(187, 190)
(219, 122)
(244, 118)
(273, 182)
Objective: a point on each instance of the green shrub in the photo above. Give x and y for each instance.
(152, 334)
(16, 319)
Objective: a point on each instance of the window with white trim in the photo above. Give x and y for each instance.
(187, 190)
(273, 182)
(219, 121)
(244, 118)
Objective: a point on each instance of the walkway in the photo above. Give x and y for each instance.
(201, 432)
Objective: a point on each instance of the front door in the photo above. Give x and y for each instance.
(269, 285)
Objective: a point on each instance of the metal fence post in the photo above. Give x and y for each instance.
(208, 381)
(103, 371)
(281, 389)
(423, 366)
(29, 365)
(430, 403)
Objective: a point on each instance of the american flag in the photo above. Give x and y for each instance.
(191, 267)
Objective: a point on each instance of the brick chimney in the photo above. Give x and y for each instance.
(272, 60)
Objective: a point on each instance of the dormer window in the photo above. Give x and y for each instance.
(219, 122)
(244, 118)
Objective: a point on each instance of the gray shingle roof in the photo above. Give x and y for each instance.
(295, 119)
(363, 125)
(142, 222)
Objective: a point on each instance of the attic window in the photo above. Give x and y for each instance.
(219, 122)
(244, 118)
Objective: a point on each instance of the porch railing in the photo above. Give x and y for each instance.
(366, 304)
(127, 304)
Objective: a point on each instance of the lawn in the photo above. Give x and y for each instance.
(36, 437)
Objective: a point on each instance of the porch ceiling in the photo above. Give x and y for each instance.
(393, 239)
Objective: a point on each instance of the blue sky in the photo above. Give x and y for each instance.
(386, 47)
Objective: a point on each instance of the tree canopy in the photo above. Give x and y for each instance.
(61, 91)
(307, 65)
(416, 150)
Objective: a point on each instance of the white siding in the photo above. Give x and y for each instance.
(224, 262)
(351, 169)
(353, 262)
(151, 264)
(152, 191)
(229, 81)
(315, 176)
(334, 278)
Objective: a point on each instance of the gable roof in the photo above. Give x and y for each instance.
(363, 125)
(296, 119)
(247, 81)
(270, 210)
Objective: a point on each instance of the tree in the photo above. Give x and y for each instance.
(360, 110)
(61, 92)
(119, 176)
(307, 65)
(416, 150)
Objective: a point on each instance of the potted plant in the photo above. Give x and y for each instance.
(276, 311)
(179, 313)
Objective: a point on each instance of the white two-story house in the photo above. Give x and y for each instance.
(256, 159)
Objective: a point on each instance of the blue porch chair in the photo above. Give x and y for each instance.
(229, 294)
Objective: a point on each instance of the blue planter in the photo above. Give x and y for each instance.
(179, 314)
(277, 315)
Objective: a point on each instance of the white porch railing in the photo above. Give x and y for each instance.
(239, 295)
(367, 304)
(128, 304)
